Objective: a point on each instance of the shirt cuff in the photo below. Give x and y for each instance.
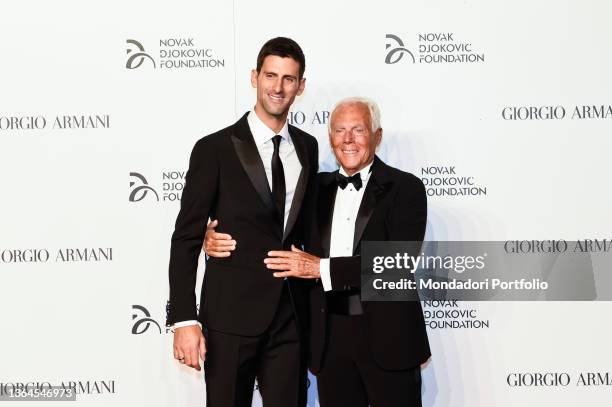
(185, 323)
(325, 275)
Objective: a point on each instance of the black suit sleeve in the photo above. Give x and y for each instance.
(408, 217)
(405, 220)
(199, 195)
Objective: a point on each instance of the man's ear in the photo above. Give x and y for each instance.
(254, 75)
(378, 136)
(302, 86)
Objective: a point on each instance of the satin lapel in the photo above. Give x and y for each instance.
(249, 157)
(325, 212)
(300, 188)
(375, 190)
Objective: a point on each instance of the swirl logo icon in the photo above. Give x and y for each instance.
(397, 52)
(142, 324)
(137, 56)
(139, 192)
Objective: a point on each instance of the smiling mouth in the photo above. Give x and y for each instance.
(276, 98)
(349, 152)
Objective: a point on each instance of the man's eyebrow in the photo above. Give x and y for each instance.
(276, 74)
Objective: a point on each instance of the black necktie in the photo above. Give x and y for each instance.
(343, 181)
(278, 179)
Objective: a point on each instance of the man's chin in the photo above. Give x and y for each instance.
(349, 168)
(348, 164)
(278, 112)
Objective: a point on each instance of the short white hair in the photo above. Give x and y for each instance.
(372, 107)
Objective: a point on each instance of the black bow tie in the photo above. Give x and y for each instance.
(343, 181)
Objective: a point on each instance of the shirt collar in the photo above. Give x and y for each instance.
(262, 133)
(364, 172)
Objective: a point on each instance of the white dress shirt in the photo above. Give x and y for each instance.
(346, 207)
(291, 165)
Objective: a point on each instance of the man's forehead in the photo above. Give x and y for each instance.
(361, 110)
(275, 62)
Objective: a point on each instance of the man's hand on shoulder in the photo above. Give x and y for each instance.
(217, 244)
(189, 345)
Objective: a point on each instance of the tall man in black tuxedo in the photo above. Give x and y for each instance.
(362, 352)
(251, 177)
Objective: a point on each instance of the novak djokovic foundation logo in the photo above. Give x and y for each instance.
(172, 53)
(451, 314)
(396, 48)
(168, 187)
(143, 321)
(556, 112)
(448, 181)
(431, 48)
(137, 55)
(139, 188)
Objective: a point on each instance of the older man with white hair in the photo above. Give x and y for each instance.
(363, 353)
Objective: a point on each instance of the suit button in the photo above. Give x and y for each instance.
(322, 309)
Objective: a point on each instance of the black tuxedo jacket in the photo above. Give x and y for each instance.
(226, 181)
(394, 207)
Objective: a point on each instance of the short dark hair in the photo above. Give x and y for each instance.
(285, 48)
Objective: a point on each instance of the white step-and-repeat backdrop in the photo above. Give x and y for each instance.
(503, 108)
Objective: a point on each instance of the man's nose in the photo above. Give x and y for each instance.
(278, 85)
(348, 137)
